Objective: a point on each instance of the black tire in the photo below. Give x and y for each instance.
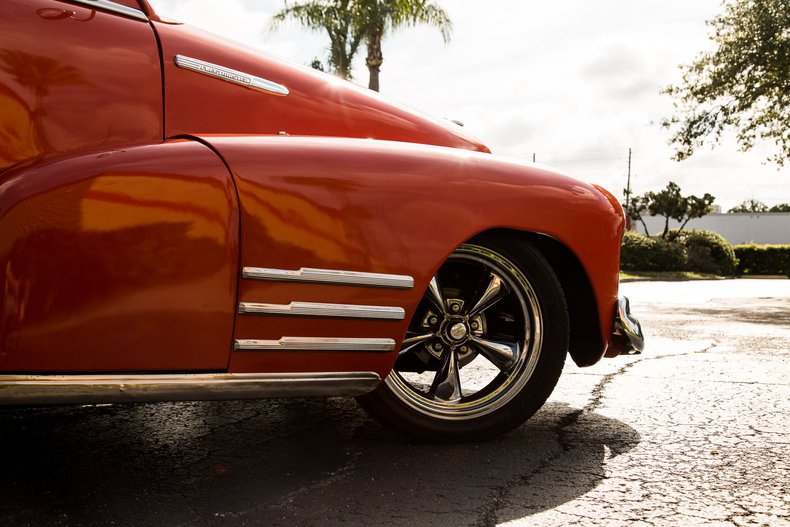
(492, 333)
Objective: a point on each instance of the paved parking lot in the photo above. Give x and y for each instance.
(693, 432)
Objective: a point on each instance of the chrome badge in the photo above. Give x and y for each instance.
(229, 75)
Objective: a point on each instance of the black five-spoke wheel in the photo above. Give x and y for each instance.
(483, 350)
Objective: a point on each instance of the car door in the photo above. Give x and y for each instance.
(118, 250)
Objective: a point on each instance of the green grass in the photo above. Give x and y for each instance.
(669, 276)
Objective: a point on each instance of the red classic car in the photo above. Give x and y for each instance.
(184, 218)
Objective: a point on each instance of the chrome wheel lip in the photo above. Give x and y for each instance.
(470, 407)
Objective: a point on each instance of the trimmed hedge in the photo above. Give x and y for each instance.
(698, 251)
(763, 259)
(707, 252)
(641, 253)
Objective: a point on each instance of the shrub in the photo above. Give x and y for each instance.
(707, 252)
(695, 250)
(763, 259)
(642, 253)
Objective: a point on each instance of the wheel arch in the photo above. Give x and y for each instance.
(586, 345)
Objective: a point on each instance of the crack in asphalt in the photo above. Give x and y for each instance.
(561, 430)
(334, 477)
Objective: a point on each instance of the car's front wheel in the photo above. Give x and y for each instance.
(484, 349)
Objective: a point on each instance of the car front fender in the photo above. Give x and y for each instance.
(396, 209)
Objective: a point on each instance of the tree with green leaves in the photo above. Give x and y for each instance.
(749, 206)
(755, 206)
(338, 18)
(349, 22)
(634, 209)
(377, 17)
(743, 85)
(672, 205)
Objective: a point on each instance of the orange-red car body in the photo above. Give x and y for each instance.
(135, 190)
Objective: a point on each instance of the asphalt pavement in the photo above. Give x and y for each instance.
(693, 432)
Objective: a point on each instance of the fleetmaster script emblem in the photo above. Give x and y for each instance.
(230, 75)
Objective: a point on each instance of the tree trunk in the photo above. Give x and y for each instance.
(37, 116)
(644, 225)
(683, 224)
(374, 58)
(338, 60)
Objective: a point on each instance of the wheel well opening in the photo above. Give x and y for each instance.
(586, 342)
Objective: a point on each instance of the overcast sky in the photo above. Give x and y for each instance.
(574, 82)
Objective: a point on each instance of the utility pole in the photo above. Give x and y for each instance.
(533, 157)
(628, 185)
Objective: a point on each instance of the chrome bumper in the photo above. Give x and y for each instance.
(627, 335)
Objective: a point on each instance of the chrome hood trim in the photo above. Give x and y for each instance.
(230, 75)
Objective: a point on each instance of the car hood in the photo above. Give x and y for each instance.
(316, 104)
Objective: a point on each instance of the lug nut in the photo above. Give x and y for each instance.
(464, 349)
(433, 321)
(455, 308)
(438, 346)
(475, 325)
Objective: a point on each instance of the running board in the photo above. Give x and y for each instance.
(92, 389)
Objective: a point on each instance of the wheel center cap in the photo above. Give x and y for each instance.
(458, 331)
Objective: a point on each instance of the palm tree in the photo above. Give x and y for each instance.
(375, 17)
(349, 21)
(334, 16)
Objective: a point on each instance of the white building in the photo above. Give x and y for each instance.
(757, 227)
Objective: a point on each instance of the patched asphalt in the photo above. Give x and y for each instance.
(693, 432)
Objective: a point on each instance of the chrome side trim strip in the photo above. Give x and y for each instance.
(234, 76)
(89, 389)
(330, 276)
(316, 344)
(311, 309)
(107, 5)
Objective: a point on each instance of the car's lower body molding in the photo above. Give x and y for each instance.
(315, 344)
(91, 389)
